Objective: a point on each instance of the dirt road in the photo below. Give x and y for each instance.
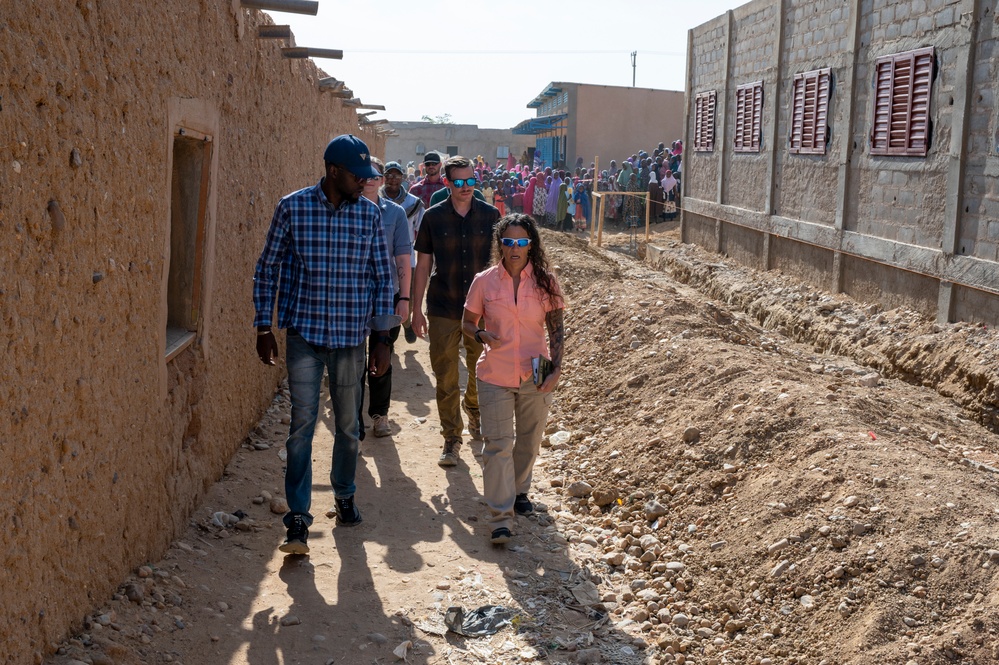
(712, 491)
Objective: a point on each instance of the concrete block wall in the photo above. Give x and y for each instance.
(922, 231)
(816, 36)
(897, 198)
(979, 224)
(707, 69)
(753, 57)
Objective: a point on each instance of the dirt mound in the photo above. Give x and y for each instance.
(816, 510)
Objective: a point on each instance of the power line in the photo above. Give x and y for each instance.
(496, 52)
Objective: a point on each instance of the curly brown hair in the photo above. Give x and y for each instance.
(543, 275)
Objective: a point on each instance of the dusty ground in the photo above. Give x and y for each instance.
(714, 491)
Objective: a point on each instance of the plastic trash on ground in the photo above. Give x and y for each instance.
(486, 620)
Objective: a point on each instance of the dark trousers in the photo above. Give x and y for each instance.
(379, 387)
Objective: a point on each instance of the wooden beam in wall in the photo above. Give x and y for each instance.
(276, 32)
(310, 7)
(310, 52)
(330, 84)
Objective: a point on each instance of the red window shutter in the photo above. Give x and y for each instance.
(748, 116)
(903, 83)
(757, 125)
(797, 113)
(698, 123)
(710, 121)
(821, 112)
(809, 112)
(740, 118)
(919, 117)
(704, 121)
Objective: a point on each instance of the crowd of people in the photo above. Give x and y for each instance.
(560, 198)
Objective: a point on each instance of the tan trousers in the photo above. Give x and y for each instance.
(510, 447)
(446, 339)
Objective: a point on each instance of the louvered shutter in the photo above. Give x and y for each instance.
(822, 88)
(704, 121)
(797, 114)
(748, 116)
(809, 112)
(902, 89)
(709, 128)
(757, 125)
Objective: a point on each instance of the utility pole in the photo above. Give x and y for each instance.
(634, 56)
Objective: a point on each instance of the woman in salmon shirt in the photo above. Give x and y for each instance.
(516, 301)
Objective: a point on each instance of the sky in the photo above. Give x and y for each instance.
(481, 63)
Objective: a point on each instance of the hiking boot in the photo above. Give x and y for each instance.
(522, 505)
(410, 334)
(500, 536)
(474, 423)
(347, 513)
(297, 541)
(450, 455)
(380, 425)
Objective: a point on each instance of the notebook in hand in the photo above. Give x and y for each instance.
(541, 368)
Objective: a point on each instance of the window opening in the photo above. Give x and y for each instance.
(192, 156)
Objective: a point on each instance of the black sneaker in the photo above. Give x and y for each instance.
(500, 536)
(410, 334)
(522, 505)
(347, 513)
(297, 541)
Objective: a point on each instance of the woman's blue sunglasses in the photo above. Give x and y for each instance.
(461, 182)
(519, 242)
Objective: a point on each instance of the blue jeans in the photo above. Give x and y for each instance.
(305, 377)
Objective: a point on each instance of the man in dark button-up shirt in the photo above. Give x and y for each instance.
(456, 237)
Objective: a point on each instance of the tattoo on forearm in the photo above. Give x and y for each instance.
(556, 334)
(400, 271)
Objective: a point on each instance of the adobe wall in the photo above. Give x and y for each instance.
(923, 231)
(108, 447)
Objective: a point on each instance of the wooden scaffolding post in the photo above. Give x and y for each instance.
(648, 209)
(600, 232)
(593, 193)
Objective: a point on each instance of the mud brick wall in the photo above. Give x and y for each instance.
(107, 444)
(923, 230)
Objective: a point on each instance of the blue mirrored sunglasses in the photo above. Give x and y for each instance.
(461, 182)
(519, 242)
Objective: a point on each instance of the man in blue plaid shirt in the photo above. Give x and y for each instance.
(325, 262)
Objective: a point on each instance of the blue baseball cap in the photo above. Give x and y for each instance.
(396, 166)
(351, 153)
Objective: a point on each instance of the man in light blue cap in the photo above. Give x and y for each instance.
(326, 266)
